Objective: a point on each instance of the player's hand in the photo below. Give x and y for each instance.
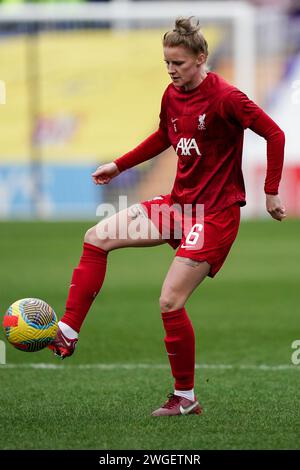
(105, 173)
(275, 207)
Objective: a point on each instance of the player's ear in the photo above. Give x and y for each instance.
(200, 59)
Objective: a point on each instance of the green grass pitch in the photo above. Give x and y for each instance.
(245, 322)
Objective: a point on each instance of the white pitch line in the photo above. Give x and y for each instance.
(48, 366)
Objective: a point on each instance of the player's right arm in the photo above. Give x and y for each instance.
(149, 148)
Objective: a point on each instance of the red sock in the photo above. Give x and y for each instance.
(180, 345)
(86, 282)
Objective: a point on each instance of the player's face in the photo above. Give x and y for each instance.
(184, 67)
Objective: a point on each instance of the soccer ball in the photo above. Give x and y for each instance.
(30, 324)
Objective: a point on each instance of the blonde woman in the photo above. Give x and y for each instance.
(203, 117)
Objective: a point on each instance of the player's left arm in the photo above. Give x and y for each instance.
(244, 112)
(267, 128)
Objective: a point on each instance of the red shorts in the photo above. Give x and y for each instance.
(204, 238)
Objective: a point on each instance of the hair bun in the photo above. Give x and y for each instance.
(186, 26)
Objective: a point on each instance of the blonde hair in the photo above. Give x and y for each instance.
(186, 33)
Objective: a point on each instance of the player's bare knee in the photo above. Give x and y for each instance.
(92, 237)
(168, 303)
(89, 236)
(107, 233)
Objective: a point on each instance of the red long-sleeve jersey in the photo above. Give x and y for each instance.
(206, 127)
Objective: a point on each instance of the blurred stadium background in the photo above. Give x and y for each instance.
(83, 85)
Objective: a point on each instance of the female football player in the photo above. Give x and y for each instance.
(203, 117)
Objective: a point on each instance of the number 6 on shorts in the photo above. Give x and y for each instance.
(193, 236)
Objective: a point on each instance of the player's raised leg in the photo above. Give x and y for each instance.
(183, 277)
(129, 227)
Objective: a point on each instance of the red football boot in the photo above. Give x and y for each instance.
(62, 346)
(177, 406)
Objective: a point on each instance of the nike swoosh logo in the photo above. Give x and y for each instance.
(72, 285)
(68, 343)
(188, 409)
